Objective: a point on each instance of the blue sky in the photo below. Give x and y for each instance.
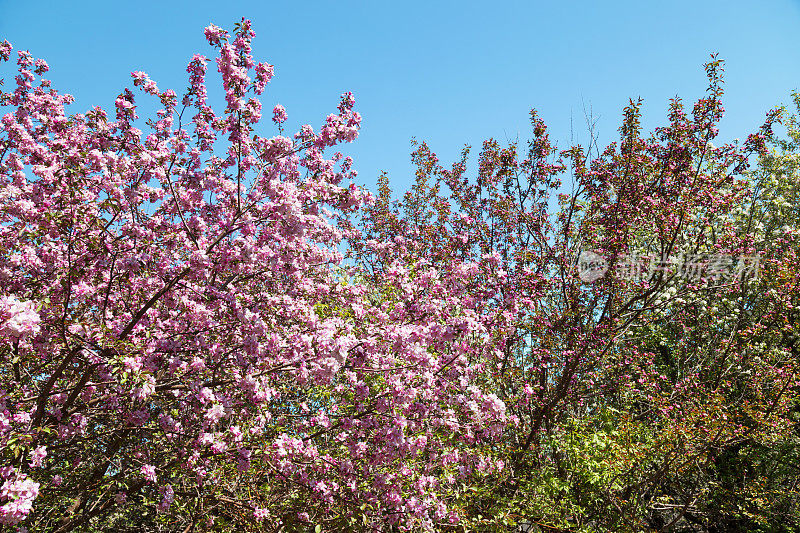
(450, 73)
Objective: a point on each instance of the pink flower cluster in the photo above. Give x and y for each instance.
(279, 114)
(16, 496)
(18, 319)
(149, 473)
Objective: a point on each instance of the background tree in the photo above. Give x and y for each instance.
(649, 397)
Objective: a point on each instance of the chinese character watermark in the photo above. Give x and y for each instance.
(712, 269)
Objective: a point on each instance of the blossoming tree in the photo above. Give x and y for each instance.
(650, 393)
(182, 345)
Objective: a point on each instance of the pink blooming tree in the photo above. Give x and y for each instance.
(647, 398)
(181, 344)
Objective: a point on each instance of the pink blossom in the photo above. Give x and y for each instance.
(5, 50)
(149, 473)
(18, 493)
(37, 456)
(18, 319)
(279, 114)
(264, 73)
(214, 34)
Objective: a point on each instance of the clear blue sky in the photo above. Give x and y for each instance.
(447, 72)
